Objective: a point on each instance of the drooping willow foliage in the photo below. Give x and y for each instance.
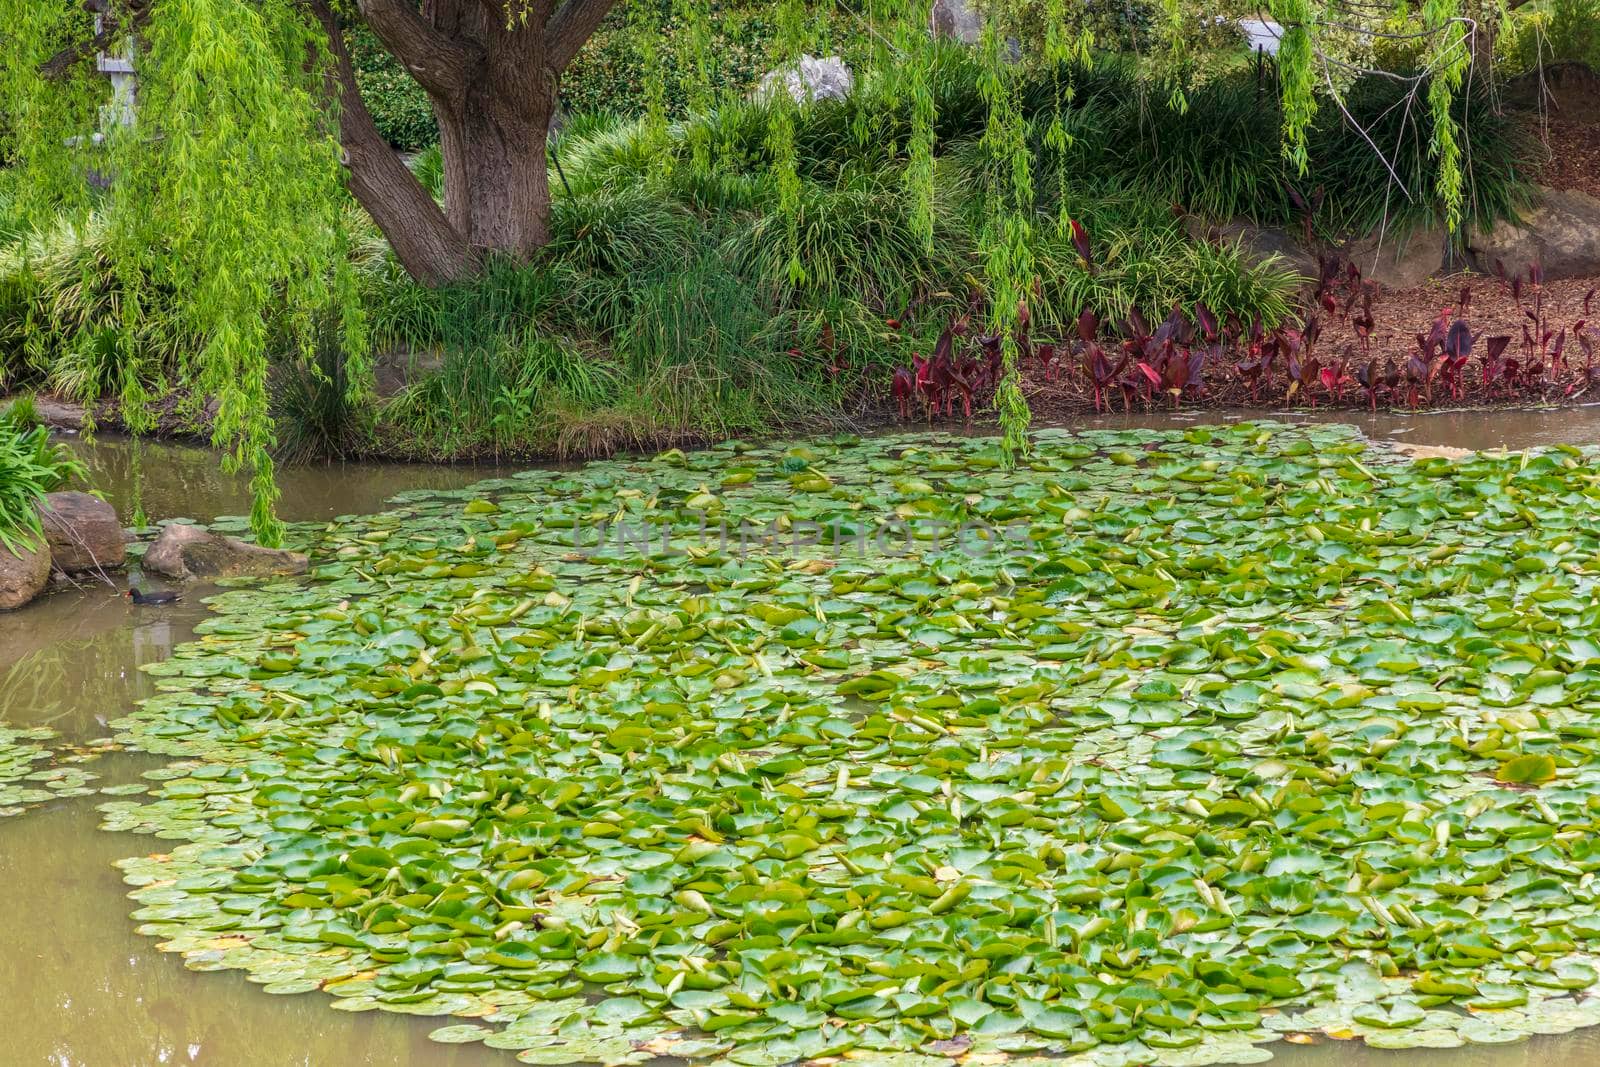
(227, 191)
(226, 196)
(1008, 239)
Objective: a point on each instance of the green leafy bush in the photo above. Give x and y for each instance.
(1552, 31)
(609, 75)
(399, 106)
(31, 465)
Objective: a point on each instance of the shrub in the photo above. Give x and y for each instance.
(399, 106)
(1552, 31)
(30, 466)
(609, 75)
(1360, 192)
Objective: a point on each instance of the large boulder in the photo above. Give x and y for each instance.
(957, 19)
(1257, 243)
(1561, 234)
(1570, 90)
(83, 533)
(23, 573)
(396, 368)
(185, 552)
(827, 78)
(1262, 35)
(60, 414)
(1400, 263)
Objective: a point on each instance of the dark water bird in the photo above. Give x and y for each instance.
(162, 596)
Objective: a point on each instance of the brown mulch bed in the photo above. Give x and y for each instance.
(1399, 315)
(1560, 105)
(1574, 155)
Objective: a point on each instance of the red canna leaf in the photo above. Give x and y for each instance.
(1088, 325)
(1137, 324)
(1080, 240)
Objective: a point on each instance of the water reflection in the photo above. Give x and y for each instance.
(1477, 430)
(79, 988)
(185, 481)
(70, 662)
(1578, 1049)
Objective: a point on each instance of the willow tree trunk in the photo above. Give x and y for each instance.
(492, 138)
(492, 73)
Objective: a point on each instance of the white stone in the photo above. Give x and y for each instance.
(957, 19)
(827, 78)
(1263, 34)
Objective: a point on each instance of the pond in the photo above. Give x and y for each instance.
(80, 986)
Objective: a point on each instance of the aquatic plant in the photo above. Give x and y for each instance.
(1181, 743)
(27, 777)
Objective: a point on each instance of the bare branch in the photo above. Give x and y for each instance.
(112, 29)
(1333, 95)
(440, 64)
(568, 29)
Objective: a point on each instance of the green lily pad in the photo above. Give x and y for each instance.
(1242, 723)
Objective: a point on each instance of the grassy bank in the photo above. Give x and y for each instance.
(667, 308)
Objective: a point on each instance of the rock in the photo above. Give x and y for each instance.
(956, 19)
(1432, 451)
(1262, 34)
(59, 414)
(1570, 90)
(83, 532)
(959, 21)
(827, 78)
(1392, 263)
(397, 368)
(184, 552)
(1258, 243)
(1561, 234)
(23, 573)
(1400, 263)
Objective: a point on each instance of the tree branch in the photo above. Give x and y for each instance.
(439, 63)
(430, 249)
(570, 27)
(111, 30)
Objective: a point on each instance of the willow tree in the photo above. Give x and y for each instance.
(225, 199)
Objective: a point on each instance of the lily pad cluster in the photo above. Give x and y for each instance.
(1234, 733)
(27, 776)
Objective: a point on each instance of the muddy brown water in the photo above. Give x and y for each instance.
(78, 986)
